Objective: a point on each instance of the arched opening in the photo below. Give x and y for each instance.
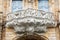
(32, 37)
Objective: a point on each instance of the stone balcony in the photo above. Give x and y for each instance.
(30, 21)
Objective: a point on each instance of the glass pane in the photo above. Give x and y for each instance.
(43, 5)
(16, 5)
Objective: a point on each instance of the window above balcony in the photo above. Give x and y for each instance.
(43, 5)
(17, 5)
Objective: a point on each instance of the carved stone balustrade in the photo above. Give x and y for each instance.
(30, 21)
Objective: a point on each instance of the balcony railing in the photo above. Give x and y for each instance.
(30, 20)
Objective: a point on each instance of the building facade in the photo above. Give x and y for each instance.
(30, 19)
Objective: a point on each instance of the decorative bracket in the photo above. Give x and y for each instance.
(30, 21)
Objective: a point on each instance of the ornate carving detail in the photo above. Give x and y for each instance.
(30, 21)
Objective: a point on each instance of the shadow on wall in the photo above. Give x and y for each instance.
(31, 37)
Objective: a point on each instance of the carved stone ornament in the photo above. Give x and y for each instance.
(30, 21)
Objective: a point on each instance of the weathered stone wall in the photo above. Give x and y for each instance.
(1, 14)
(54, 6)
(51, 32)
(1, 7)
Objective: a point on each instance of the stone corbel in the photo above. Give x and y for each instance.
(31, 24)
